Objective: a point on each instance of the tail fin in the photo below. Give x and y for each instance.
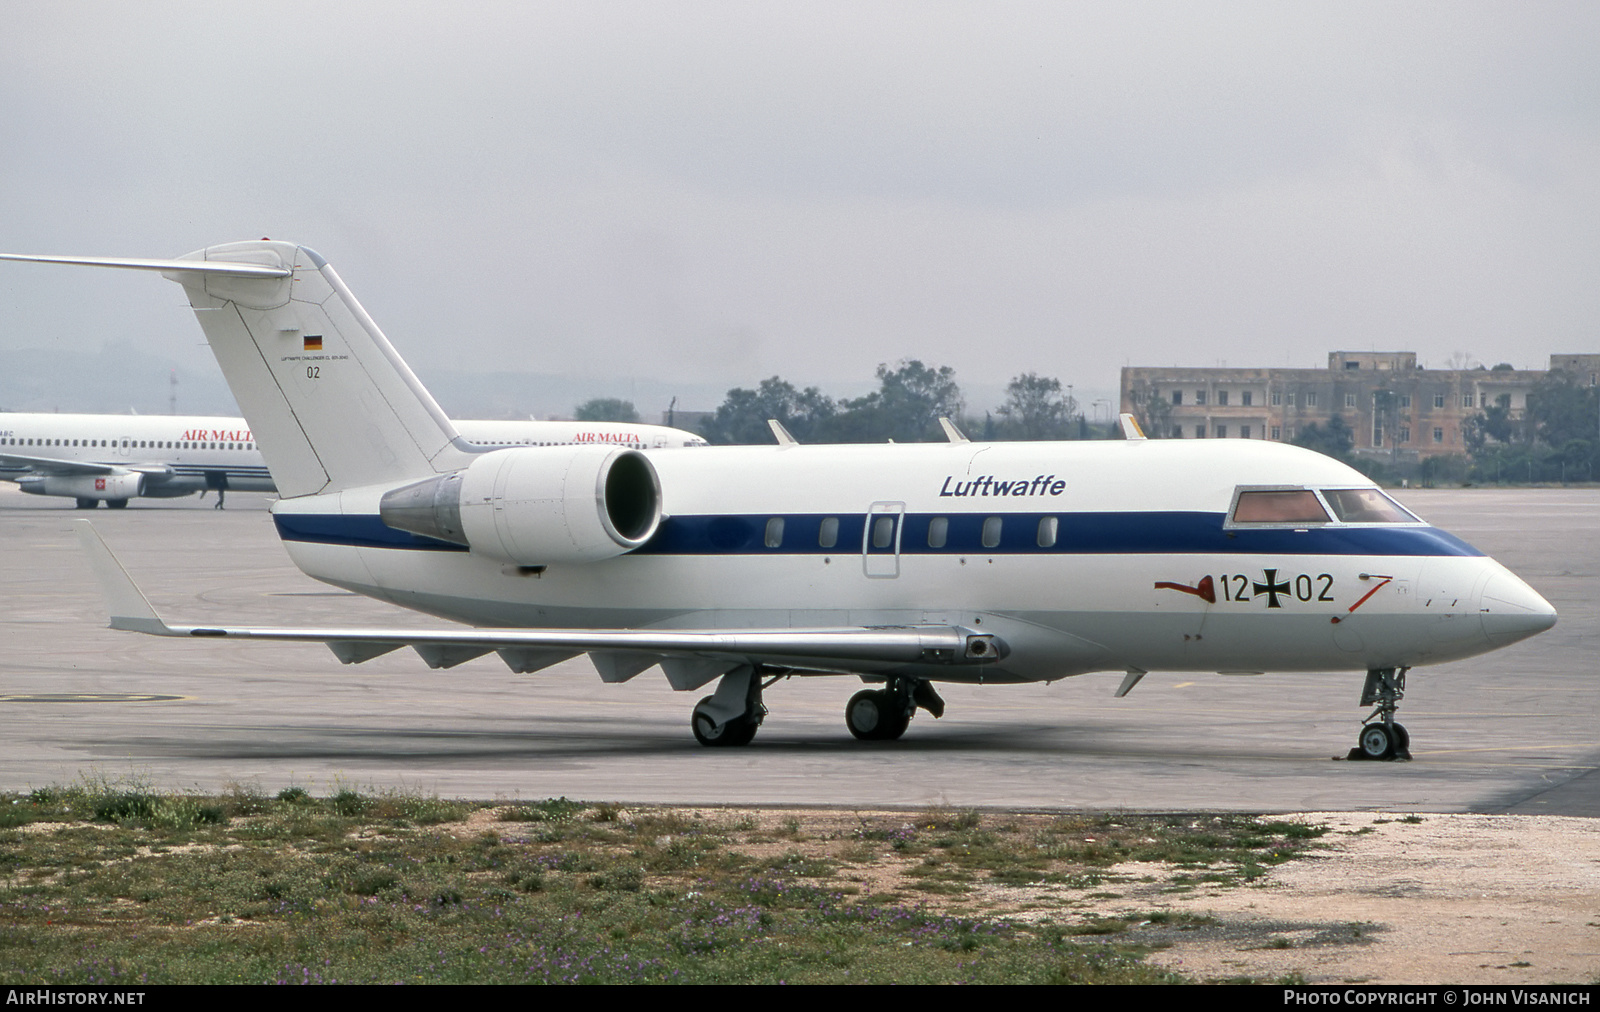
(330, 402)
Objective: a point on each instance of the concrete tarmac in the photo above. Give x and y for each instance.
(1514, 731)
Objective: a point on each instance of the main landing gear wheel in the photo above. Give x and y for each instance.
(739, 731)
(117, 504)
(732, 714)
(88, 504)
(877, 715)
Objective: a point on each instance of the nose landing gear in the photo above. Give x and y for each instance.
(1381, 738)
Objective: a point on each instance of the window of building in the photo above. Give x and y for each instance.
(1466, 400)
(1199, 432)
(1349, 400)
(1247, 397)
(1377, 433)
(1177, 432)
(1222, 398)
(1244, 432)
(1438, 435)
(1311, 398)
(1276, 398)
(1438, 400)
(1177, 396)
(1405, 400)
(1199, 396)
(1277, 432)
(1222, 432)
(1405, 433)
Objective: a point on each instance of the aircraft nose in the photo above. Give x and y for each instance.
(1511, 610)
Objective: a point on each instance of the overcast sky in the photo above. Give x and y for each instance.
(708, 192)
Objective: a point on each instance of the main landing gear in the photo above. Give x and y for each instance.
(731, 715)
(1381, 737)
(884, 714)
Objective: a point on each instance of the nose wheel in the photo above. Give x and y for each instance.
(1381, 738)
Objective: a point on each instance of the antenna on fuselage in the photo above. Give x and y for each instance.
(782, 434)
(952, 433)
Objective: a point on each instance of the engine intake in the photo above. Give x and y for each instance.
(536, 506)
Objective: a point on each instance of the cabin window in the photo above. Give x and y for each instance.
(1366, 506)
(828, 535)
(938, 532)
(774, 537)
(1290, 506)
(883, 532)
(1047, 532)
(991, 531)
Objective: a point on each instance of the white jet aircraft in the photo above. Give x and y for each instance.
(901, 564)
(114, 458)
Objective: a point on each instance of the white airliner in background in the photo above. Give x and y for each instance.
(114, 458)
(901, 564)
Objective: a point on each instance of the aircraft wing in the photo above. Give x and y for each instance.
(50, 465)
(690, 656)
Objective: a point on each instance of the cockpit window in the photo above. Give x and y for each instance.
(1293, 506)
(1366, 506)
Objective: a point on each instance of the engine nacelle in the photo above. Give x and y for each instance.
(85, 486)
(536, 506)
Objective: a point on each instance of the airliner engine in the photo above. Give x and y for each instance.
(84, 486)
(536, 506)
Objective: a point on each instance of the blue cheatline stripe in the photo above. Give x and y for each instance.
(1156, 533)
(361, 530)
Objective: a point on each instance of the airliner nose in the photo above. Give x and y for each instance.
(1511, 610)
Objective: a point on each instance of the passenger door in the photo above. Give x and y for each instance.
(880, 542)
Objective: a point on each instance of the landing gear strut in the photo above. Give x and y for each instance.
(731, 715)
(1381, 737)
(884, 714)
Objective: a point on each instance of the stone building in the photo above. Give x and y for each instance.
(1394, 408)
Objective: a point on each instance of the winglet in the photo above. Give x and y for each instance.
(952, 433)
(128, 606)
(1130, 427)
(782, 434)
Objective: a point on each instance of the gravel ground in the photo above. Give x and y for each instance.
(1463, 899)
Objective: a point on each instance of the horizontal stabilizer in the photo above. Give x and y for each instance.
(223, 267)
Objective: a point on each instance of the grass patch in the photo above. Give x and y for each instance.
(131, 884)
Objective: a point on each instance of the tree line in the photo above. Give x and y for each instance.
(906, 407)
